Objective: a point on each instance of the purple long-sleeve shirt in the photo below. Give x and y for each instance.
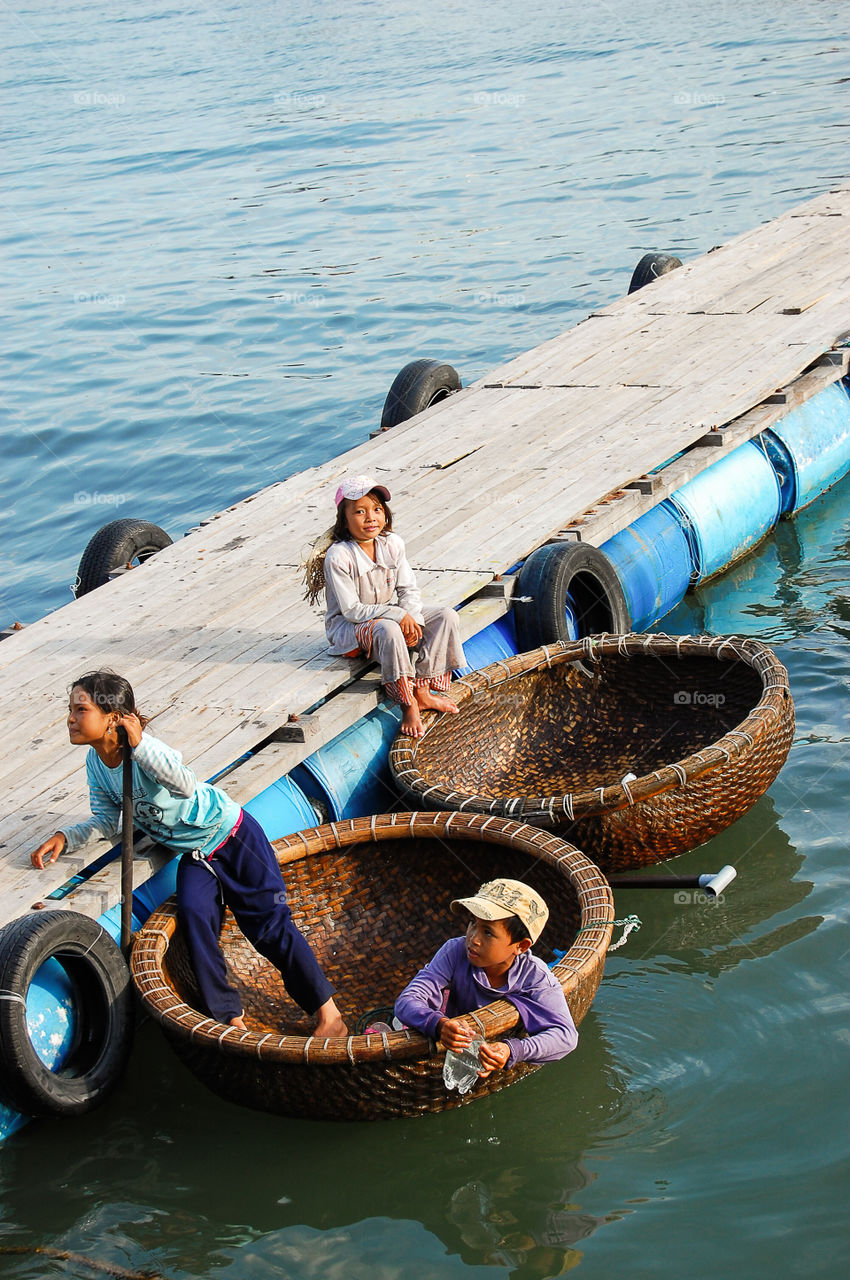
(449, 986)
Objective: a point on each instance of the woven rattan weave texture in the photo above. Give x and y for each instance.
(372, 895)
(704, 723)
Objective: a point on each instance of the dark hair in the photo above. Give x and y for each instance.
(517, 931)
(314, 569)
(341, 531)
(109, 692)
(514, 927)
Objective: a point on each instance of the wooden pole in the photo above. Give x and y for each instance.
(126, 843)
(712, 883)
(654, 882)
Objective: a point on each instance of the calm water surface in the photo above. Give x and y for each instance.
(226, 229)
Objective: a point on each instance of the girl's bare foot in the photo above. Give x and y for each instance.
(330, 1021)
(411, 721)
(430, 700)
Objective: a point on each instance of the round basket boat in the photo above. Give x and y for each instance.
(372, 897)
(634, 747)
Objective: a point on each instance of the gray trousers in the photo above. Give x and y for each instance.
(432, 661)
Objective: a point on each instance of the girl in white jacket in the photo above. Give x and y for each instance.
(373, 606)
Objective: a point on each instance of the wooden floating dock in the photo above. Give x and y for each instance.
(563, 442)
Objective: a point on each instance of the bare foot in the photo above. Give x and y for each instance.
(330, 1021)
(411, 721)
(429, 700)
(238, 1023)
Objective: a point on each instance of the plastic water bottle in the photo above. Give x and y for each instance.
(460, 1070)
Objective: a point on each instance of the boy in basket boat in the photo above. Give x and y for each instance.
(493, 961)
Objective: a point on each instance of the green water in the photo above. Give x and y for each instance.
(699, 1129)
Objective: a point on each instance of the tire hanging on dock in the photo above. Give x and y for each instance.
(563, 573)
(416, 387)
(650, 267)
(115, 544)
(103, 997)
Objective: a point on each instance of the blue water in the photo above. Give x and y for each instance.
(226, 228)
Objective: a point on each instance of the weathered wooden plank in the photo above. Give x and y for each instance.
(599, 523)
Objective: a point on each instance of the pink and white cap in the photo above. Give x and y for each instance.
(354, 487)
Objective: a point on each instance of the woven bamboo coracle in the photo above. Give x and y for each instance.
(550, 737)
(372, 897)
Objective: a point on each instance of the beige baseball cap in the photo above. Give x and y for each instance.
(499, 899)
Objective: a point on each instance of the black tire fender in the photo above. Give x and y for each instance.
(103, 997)
(416, 387)
(650, 267)
(116, 544)
(574, 569)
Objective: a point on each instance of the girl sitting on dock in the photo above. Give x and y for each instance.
(373, 606)
(227, 860)
(493, 961)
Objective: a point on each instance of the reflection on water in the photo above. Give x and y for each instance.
(540, 1242)
(205, 1186)
(712, 936)
(793, 584)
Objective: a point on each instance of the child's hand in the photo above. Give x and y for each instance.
(493, 1056)
(132, 726)
(455, 1034)
(52, 847)
(411, 631)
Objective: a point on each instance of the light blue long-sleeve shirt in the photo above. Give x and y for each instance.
(169, 803)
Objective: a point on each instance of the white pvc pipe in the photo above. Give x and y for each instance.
(715, 882)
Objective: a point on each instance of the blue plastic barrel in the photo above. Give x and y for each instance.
(282, 808)
(810, 447)
(496, 641)
(728, 508)
(52, 1025)
(571, 617)
(653, 562)
(51, 1014)
(351, 776)
(149, 895)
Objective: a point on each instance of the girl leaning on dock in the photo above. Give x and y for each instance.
(373, 606)
(226, 857)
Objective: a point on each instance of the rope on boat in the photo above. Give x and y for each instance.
(630, 925)
(64, 1255)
